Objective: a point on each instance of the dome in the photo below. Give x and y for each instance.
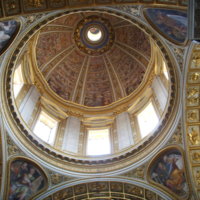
(92, 72)
(99, 100)
(86, 79)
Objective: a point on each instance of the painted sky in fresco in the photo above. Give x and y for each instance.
(8, 30)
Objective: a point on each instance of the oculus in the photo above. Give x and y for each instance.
(94, 35)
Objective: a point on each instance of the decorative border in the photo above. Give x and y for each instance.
(58, 156)
(20, 7)
(191, 111)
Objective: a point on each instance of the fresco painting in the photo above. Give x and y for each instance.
(26, 180)
(8, 30)
(170, 23)
(168, 170)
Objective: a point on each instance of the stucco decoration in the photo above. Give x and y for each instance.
(172, 24)
(13, 7)
(12, 148)
(26, 179)
(167, 170)
(177, 137)
(8, 31)
(137, 173)
(56, 178)
(87, 72)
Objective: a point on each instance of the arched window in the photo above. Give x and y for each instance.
(45, 128)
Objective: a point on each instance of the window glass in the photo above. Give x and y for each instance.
(45, 128)
(98, 142)
(18, 80)
(147, 120)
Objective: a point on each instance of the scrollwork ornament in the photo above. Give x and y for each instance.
(30, 19)
(193, 135)
(197, 177)
(35, 3)
(196, 156)
(177, 136)
(136, 173)
(150, 195)
(58, 178)
(12, 148)
(133, 10)
(179, 54)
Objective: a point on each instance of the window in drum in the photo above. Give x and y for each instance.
(45, 128)
(98, 142)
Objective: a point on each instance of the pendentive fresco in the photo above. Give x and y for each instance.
(170, 23)
(168, 171)
(26, 180)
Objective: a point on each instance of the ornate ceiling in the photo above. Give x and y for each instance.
(62, 63)
(88, 73)
(18, 7)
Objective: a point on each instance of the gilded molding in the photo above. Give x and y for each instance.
(192, 120)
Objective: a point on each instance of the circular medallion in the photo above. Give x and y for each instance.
(94, 35)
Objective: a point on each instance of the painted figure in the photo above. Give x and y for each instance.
(25, 180)
(169, 171)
